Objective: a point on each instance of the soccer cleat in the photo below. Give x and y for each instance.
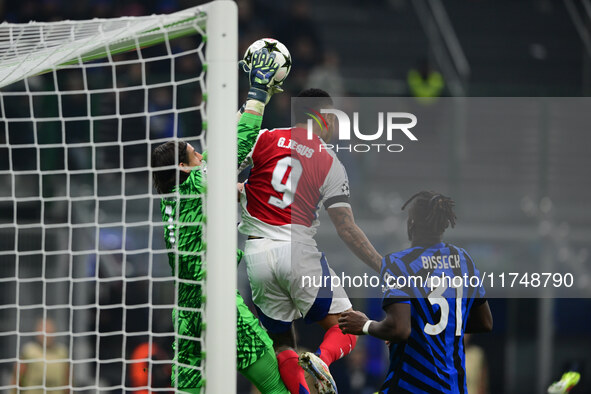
(323, 380)
(565, 384)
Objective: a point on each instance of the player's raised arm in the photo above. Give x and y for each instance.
(260, 72)
(336, 202)
(353, 236)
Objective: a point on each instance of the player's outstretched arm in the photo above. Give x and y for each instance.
(260, 72)
(354, 237)
(394, 328)
(480, 319)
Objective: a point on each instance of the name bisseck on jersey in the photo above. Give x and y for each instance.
(439, 262)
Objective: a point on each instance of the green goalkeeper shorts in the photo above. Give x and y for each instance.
(251, 343)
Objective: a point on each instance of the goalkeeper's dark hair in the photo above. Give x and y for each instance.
(314, 99)
(431, 213)
(169, 154)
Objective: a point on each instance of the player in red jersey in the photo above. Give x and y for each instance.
(292, 175)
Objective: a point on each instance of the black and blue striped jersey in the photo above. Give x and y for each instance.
(432, 359)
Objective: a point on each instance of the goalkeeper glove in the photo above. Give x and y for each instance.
(261, 71)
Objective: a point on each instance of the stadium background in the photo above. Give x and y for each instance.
(533, 48)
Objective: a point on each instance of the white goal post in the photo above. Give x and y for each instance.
(82, 104)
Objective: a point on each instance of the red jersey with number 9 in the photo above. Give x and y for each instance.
(291, 176)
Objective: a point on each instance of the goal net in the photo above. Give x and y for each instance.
(86, 289)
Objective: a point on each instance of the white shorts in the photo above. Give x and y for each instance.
(286, 282)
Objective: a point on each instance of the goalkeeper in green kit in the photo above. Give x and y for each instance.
(184, 218)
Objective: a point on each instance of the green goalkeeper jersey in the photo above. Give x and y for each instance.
(184, 218)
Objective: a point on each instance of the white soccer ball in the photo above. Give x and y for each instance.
(282, 57)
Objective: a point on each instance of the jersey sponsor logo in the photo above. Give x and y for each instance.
(302, 149)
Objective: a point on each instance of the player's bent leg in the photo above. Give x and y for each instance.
(283, 340)
(291, 372)
(186, 375)
(283, 337)
(335, 344)
(314, 365)
(328, 304)
(255, 355)
(264, 374)
(320, 304)
(269, 269)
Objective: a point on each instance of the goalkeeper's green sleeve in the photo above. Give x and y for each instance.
(249, 126)
(248, 129)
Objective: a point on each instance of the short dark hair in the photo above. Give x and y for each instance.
(171, 153)
(431, 213)
(315, 99)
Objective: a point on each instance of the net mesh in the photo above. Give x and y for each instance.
(81, 235)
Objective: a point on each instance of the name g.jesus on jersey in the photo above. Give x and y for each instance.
(303, 150)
